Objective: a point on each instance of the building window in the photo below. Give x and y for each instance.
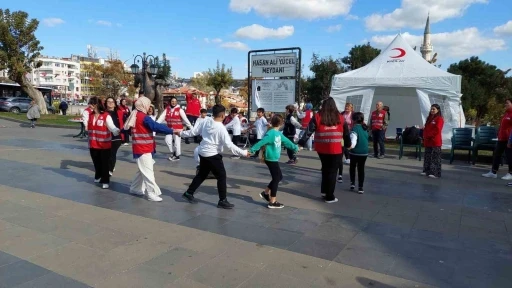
(356, 100)
(443, 103)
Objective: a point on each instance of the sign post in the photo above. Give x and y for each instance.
(273, 78)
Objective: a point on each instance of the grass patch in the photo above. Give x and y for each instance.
(50, 119)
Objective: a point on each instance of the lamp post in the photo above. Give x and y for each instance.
(153, 67)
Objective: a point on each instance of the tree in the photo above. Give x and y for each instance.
(164, 69)
(19, 50)
(482, 84)
(244, 90)
(319, 86)
(360, 55)
(110, 79)
(219, 78)
(201, 82)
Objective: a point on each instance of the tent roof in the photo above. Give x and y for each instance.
(398, 66)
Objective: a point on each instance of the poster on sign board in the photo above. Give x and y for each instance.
(273, 95)
(274, 65)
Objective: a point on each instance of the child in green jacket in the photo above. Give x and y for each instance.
(272, 142)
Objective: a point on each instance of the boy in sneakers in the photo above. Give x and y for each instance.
(215, 136)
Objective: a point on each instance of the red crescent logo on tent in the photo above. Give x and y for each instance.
(402, 53)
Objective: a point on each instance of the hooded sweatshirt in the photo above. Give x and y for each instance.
(215, 137)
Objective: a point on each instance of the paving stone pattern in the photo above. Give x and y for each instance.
(58, 229)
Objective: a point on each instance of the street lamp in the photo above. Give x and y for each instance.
(153, 67)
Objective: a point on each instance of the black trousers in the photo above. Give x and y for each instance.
(290, 152)
(113, 154)
(501, 147)
(378, 142)
(192, 120)
(126, 136)
(64, 111)
(257, 153)
(347, 156)
(101, 161)
(359, 162)
(215, 165)
(277, 176)
(236, 139)
(330, 165)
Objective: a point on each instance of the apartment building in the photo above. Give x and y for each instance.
(85, 76)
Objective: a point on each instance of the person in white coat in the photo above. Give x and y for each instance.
(175, 117)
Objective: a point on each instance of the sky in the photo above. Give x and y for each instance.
(195, 34)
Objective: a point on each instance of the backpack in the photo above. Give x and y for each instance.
(289, 129)
(411, 135)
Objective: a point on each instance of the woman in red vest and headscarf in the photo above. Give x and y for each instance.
(143, 146)
(100, 127)
(329, 128)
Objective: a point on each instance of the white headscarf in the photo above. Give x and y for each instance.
(142, 104)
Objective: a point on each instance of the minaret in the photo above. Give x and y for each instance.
(426, 48)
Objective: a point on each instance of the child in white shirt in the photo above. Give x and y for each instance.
(215, 136)
(261, 126)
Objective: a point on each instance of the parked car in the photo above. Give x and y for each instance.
(20, 105)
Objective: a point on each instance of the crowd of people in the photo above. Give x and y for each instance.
(337, 136)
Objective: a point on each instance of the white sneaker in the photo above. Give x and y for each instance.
(432, 176)
(110, 173)
(332, 201)
(97, 180)
(340, 179)
(105, 186)
(154, 198)
(490, 175)
(423, 173)
(347, 161)
(507, 177)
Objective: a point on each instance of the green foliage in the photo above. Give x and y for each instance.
(164, 69)
(360, 55)
(201, 82)
(482, 83)
(219, 78)
(19, 47)
(495, 112)
(319, 86)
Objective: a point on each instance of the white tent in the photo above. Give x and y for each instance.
(401, 79)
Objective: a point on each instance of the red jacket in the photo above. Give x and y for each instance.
(433, 132)
(142, 138)
(328, 139)
(120, 117)
(505, 126)
(99, 135)
(193, 105)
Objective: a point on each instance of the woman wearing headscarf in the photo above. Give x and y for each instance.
(329, 128)
(143, 147)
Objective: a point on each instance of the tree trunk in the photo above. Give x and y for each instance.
(34, 94)
(218, 100)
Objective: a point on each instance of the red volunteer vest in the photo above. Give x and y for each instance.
(99, 135)
(142, 138)
(328, 139)
(378, 119)
(307, 118)
(173, 118)
(505, 127)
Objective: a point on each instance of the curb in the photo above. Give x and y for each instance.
(39, 125)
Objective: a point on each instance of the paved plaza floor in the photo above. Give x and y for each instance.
(59, 229)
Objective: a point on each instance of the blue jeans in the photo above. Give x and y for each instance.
(378, 142)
